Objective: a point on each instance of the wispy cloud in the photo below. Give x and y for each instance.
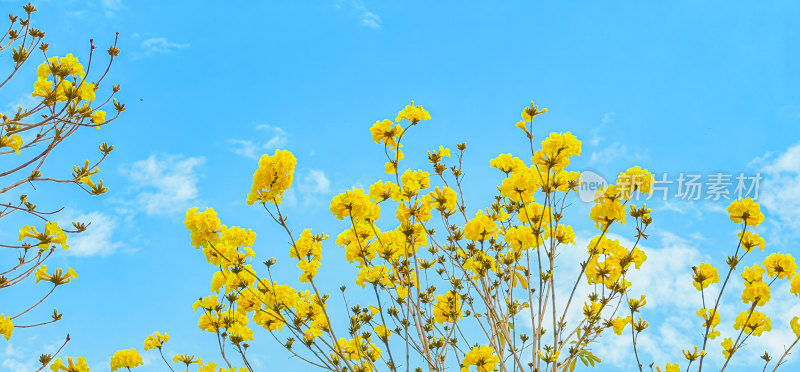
(160, 45)
(110, 7)
(596, 137)
(366, 17)
(98, 239)
(276, 138)
(165, 184)
(611, 153)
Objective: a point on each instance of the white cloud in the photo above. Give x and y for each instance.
(244, 148)
(97, 240)
(779, 191)
(165, 184)
(612, 153)
(160, 45)
(315, 182)
(277, 138)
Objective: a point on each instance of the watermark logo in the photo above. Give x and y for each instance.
(683, 186)
(589, 184)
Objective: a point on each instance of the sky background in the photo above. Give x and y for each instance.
(676, 87)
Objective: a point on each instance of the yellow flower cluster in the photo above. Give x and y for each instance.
(616, 261)
(273, 177)
(480, 228)
(754, 323)
(359, 349)
(61, 89)
(126, 359)
(155, 341)
(750, 240)
(708, 318)
(671, 367)
(447, 308)
(52, 235)
(58, 277)
(482, 357)
(704, 275)
(608, 209)
(780, 265)
(747, 211)
(6, 326)
(14, 142)
(72, 366)
(557, 149)
(355, 204)
(634, 179)
(412, 114)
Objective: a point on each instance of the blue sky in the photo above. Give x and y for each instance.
(676, 87)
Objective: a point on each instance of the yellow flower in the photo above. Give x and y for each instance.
(186, 359)
(479, 263)
(447, 308)
(521, 238)
(98, 117)
(86, 91)
(309, 269)
(382, 332)
(693, 355)
(750, 240)
(14, 142)
(354, 203)
(385, 131)
(795, 324)
(704, 275)
(414, 181)
(727, 348)
(273, 176)
(606, 211)
(482, 357)
(437, 155)
(795, 285)
(71, 64)
(413, 114)
(521, 184)
(780, 265)
(444, 199)
(507, 163)
(563, 234)
(671, 367)
(746, 210)
(58, 277)
(204, 227)
(374, 274)
(620, 323)
(71, 366)
(6, 326)
(155, 340)
(714, 320)
(380, 191)
(126, 359)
